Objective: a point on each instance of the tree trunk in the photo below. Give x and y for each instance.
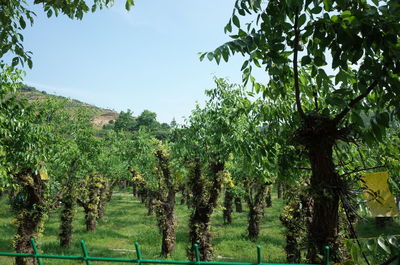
(91, 207)
(166, 209)
(318, 134)
(102, 199)
(204, 201)
(66, 218)
(256, 210)
(110, 190)
(227, 213)
(279, 188)
(151, 202)
(238, 205)
(30, 214)
(268, 198)
(291, 218)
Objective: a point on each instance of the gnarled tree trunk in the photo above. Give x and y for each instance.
(67, 216)
(166, 207)
(238, 205)
(256, 208)
(102, 199)
(30, 214)
(205, 196)
(90, 201)
(228, 201)
(318, 134)
(268, 198)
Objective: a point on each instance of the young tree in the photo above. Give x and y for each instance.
(26, 144)
(357, 41)
(205, 143)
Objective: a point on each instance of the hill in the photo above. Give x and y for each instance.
(100, 116)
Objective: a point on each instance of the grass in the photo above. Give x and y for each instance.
(126, 222)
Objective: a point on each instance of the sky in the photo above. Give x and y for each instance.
(146, 58)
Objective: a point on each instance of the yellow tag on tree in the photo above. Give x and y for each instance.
(43, 174)
(381, 201)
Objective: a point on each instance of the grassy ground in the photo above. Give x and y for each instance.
(126, 222)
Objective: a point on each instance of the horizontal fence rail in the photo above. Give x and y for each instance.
(87, 259)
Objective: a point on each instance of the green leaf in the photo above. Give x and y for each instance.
(377, 132)
(244, 65)
(316, 10)
(228, 27)
(30, 64)
(302, 20)
(210, 56)
(236, 21)
(356, 118)
(202, 56)
(129, 4)
(22, 22)
(15, 61)
(382, 244)
(341, 77)
(305, 60)
(49, 13)
(225, 54)
(393, 241)
(370, 243)
(355, 253)
(328, 5)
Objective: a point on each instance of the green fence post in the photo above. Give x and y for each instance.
(326, 255)
(138, 253)
(258, 254)
(85, 253)
(196, 252)
(35, 251)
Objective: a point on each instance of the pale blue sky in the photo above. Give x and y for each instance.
(143, 59)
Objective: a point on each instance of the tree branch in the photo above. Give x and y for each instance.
(295, 69)
(303, 168)
(362, 169)
(354, 101)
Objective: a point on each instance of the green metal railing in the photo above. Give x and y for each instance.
(87, 259)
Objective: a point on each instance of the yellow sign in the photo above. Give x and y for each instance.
(380, 200)
(43, 174)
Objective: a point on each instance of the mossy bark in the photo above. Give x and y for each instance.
(296, 217)
(205, 195)
(228, 209)
(151, 202)
(67, 217)
(101, 207)
(268, 198)
(279, 188)
(31, 212)
(110, 190)
(166, 206)
(90, 200)
(256, 202)
(238, 205)
(318, 134)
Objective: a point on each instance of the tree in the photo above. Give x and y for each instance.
(205, 144)
(362, 39)
(125, 122)
(26, 148)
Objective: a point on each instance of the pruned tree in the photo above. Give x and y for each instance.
(349, 65)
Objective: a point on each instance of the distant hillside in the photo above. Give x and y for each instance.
(100, 116)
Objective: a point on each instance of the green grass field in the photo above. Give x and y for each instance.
(126, 222)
